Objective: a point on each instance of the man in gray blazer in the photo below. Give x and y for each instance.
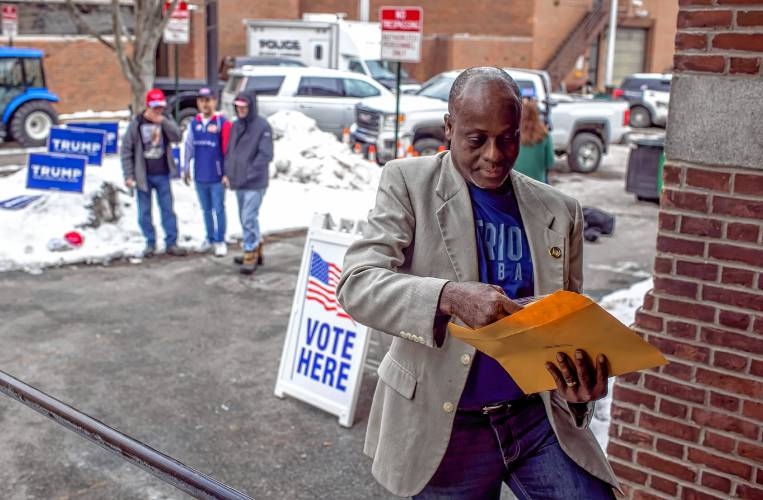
(456, 237)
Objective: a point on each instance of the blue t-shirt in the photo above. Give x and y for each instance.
(504, 260)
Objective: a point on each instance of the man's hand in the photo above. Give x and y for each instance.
(580, 382)
(476, 304)
(153, 116)
(226, 182)
(130, 183)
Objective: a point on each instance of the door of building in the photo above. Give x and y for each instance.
(630, 53)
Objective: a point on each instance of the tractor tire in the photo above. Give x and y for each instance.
(31, 123)
(586, 153)
(427, 146)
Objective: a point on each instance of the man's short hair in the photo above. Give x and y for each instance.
(484, 74)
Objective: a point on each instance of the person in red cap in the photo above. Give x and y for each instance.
(148, 164)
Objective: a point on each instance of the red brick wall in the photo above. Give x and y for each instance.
(694, 428)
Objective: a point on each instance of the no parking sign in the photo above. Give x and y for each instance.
(325, 350)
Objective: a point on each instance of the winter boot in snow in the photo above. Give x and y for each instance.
(250, 262)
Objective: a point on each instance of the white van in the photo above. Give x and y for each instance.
(328, 96)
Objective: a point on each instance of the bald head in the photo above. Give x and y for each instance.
(482, 125)
(503, 85)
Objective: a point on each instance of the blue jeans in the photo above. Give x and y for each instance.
(160, 184)
(249, 201)
(212, 201)
(515, 446)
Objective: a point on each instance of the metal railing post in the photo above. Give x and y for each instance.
(160, 465)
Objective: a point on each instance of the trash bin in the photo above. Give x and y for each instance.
(644, 168)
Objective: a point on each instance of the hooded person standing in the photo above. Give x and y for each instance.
(148, 164)
(250, 151)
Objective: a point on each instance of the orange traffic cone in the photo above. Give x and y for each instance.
(416, 153)
(357, 148)
(346, 136)
(409, 152)
(441, 149)
(372, 153)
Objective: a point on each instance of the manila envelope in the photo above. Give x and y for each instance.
(563, 321)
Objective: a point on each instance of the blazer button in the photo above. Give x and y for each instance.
(466, 359)
(447, 407)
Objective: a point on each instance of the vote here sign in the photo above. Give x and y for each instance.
(111, 129)
(325, 348)
(56, 172)
(73, 141)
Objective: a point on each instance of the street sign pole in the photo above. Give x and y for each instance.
(397, 108)
(402, 29)
(177, 80)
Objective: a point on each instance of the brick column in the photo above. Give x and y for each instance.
(693, 429)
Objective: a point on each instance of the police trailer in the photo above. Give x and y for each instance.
(323, 41)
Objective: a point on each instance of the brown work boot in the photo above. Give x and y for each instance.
(250, 262)
(259, 253)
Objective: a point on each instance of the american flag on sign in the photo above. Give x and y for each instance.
(321, 285)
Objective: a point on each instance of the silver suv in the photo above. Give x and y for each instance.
(328, 96)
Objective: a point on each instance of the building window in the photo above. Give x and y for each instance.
(54, 18)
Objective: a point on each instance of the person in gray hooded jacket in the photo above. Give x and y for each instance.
(250, 151)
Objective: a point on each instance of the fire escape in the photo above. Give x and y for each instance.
(577, 42)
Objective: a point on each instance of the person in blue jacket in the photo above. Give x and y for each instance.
(205, 145)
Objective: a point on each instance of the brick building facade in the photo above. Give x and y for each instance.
(694, 428)
(519, 33)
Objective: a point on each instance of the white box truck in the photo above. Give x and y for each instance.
(325, 41)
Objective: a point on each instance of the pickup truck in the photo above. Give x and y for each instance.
(580, 128)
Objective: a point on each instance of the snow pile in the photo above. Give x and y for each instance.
(305, 154)
(621, 304)
(106, 214)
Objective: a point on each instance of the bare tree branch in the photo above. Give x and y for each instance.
(83, 25)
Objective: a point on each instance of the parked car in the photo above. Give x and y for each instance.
(648, 95)
(580, 128)
(585, 127)
(421, 119)
(25, 101)
(328, 96)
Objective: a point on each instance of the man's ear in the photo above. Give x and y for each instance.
(448, 127)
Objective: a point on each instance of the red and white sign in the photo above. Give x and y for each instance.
(10, 20)
(402, 29)
(178, 29)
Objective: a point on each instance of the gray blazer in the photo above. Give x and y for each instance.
(133, 163)
(419, 236)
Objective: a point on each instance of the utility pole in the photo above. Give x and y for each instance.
(611, 42)
(363, 10)
(212, 42)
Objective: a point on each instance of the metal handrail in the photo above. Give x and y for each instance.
(160, 465)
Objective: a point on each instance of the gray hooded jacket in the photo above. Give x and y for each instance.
(133, 163)
(250, 149)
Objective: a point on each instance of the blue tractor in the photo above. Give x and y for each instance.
(25, 101)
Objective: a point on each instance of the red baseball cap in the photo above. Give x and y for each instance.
(155, 99)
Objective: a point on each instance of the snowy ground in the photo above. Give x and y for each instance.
(311, 172)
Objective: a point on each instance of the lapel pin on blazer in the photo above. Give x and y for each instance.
(555, 252)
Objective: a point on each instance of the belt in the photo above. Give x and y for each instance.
(503, 405)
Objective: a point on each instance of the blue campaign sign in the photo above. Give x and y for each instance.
(56, 172)
(89, 143)
(111, 129)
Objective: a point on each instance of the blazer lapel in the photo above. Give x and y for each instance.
(456, 220)
(547, 247)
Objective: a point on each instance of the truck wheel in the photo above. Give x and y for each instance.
(185, 116)
(428, 146)
(640, 117)
(585, 153)
(31, 123)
